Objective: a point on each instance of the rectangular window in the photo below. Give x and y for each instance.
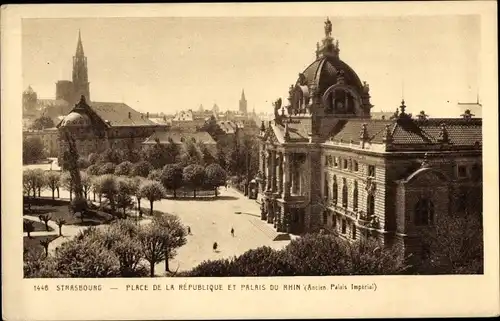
(462, 171)
(344, 226)
(344, 163)
(356, 166)
(371, 170)
(334, 221)
(353, 231)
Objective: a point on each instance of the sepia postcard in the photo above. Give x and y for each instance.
(258, 160)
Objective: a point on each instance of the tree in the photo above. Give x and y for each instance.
(155, 175)
(215, 176)
(453, 246)
(193, 176)
(85, 257)
(123, 197)
(83, 163)
(79, 205)
(28, 227)
(60, 222)
(67, 183)
(96, 187)
(93, 158)
(107, 168)
(152, 240)
(135, 184)
(111, 155)
(190, 154)
(262, 261)
(42, 123)
(34, 179)
(109, 188)
(86, 184)
(45, 243)
(152, 191)
(53, 180)
(124, 168)
(318, 255)
(370, 257)
(123, 240)
(174, 234)
(93, 169)
(33, 149)
(45, 218)
(26, 188)
(206, 157)
(221, 158)
(171, 177)
(141, 169)
(157, 155)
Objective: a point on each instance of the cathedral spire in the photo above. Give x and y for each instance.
(80, 72)
(79, 46)
(243, 95)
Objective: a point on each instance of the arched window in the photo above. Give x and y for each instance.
(370, 205)
(424, 212)
(344, 192)
(326, 191)
(355, 196)
(334, 190)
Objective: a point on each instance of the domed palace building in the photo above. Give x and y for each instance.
(326, 164)
(105, 125)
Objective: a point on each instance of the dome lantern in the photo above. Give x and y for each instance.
(329, 47)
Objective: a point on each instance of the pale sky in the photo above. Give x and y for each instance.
(170, 64)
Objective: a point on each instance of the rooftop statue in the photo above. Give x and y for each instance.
(328, 28)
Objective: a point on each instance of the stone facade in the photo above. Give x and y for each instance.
(326, 164)
(98, 128)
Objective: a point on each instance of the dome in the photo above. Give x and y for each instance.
(324, 73)
(75, 119)
(29, 91)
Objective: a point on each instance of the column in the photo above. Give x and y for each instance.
(263, 168)
(286, 174)
(273, 171)
(292, 174)
(269, 171)
(280, 173)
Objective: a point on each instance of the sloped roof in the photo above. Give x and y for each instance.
(178, 137)
(117, 114)
(405, 131)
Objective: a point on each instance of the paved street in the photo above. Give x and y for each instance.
(211, 221)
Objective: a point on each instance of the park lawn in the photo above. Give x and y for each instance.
(32, 244)
(93, 217)
(145, 212)
(39, 226)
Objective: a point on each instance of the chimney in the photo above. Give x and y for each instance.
(129, 115)
(147, 115)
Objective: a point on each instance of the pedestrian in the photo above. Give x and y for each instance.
(215, 246)
(232, 232)
(189, 230)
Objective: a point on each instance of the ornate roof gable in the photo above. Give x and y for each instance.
(270, 136)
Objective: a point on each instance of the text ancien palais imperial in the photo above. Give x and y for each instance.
(325, 164)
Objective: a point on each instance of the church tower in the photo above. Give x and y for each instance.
(80, 73)
(243, 103)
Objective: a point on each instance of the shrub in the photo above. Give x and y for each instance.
(107, 168)
(141, 169)
(124, 168)
(222, 267)
(263, 261)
